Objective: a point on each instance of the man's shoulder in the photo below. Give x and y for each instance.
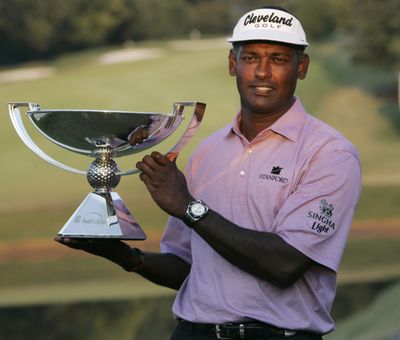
(313, 134)
(217, 136)
(209, 146)
(323, 133)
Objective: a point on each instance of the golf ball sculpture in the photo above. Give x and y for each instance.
(102, 174)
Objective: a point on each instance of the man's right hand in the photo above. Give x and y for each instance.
(113, 250)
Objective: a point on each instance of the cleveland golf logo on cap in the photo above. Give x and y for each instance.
(263, 19)
(269, 24)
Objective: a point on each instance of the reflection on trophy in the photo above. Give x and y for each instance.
(104, 135)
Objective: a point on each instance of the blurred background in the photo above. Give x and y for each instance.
(142, 55)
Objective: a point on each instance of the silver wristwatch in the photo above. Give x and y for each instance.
(195, 211)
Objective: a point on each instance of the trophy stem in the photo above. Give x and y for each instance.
(103, 214)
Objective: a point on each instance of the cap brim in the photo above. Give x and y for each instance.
(283, 37)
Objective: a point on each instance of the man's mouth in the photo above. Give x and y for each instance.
(263, 89)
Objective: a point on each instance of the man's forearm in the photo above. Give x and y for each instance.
(166, 270)
(262, 254)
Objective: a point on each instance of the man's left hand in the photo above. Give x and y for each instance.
(166, 183)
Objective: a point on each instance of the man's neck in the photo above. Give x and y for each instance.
(251, 124)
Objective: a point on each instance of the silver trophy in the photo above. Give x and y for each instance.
(104, 135)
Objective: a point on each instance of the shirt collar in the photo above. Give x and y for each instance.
(289, 125)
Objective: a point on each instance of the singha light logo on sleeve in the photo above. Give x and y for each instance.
(322, 221)
(326, 208)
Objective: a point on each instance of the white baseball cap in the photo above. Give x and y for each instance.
(269, 24)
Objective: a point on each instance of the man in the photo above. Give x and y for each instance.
(260, 219)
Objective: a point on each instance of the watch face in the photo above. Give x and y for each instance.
(198, 209)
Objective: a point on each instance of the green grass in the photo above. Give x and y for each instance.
(379, 321)
(367, 260)
(82, 291)
(379, 201)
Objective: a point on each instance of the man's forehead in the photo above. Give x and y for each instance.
(266, 46)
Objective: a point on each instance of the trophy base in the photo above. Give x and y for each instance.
(103, 215)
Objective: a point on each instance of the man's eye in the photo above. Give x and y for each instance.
(278, 60)
(249, 58)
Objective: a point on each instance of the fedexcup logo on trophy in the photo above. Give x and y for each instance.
(91, 218)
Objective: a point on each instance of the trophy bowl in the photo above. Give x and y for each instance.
(104, 135)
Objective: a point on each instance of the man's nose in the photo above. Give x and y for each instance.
(263, 69)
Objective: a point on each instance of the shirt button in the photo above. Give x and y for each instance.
(249, 151)
(242, 173)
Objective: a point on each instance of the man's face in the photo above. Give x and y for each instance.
(266, 76)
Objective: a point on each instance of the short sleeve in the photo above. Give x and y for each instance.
(176, 240)
(177, 236)
(316, 217)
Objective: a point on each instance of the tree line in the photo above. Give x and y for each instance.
(32, 29)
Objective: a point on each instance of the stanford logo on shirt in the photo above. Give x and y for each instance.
(274, 175)
(276, 170)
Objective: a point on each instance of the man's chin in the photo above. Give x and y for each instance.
(261, 108)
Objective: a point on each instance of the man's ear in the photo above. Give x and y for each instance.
(232, 63)
(303, 66)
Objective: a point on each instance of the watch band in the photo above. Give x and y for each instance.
(140, 263)
(192, 214)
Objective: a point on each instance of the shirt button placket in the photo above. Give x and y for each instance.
(243, 172)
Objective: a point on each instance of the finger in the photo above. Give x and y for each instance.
(72, 242)
(152, 161)
(139, 136)
(139, 165)
(148, 165)
(147, 181)
(147, 173)
(160, 158)
(144, 134)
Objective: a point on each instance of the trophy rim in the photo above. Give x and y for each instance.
(113, 141)
(121, 148)
(50, 111)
